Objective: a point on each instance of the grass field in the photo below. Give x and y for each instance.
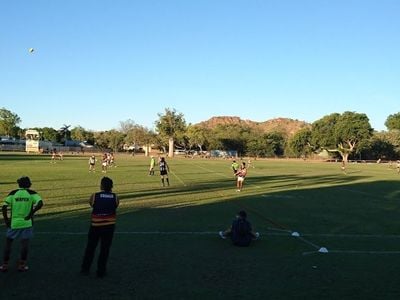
(166, 244)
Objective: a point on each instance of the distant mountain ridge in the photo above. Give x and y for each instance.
(285, 125)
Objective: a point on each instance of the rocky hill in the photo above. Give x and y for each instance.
(285, 125)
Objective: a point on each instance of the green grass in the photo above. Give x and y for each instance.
(357, 214)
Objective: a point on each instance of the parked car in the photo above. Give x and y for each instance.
(180, 152)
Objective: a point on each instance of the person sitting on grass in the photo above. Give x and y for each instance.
(240, 231)
(23, 204)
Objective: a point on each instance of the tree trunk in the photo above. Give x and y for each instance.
(171, 147)
(345, 156)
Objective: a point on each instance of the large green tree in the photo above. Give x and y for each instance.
(393, 122)
(377, 147)
(9, 123)
(299, 143)
(112, 139)
(322, 132)
(197, 136)
(171, 126)
(269, 144)
(388, 139)
(137, 135)
(230, 137)
(81, 134)
(341, 133)
(49, 134)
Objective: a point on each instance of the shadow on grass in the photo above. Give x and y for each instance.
(297, 205)
(203, 266)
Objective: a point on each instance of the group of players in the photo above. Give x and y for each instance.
(24, 202)
(104, 204)
(163, 167)
(55, 155)
(107, 161)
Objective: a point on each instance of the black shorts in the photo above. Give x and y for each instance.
(162, 173)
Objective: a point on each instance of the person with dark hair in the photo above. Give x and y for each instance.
(104, 206)
(241, 174)
(23, 204)
(240, 231)
(164, 169)
(104, 163)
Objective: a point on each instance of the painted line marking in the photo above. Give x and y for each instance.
(354, 252)
(177, 177)
(273, 231)
(279, 233)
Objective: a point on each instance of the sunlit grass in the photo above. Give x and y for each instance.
(312, 198)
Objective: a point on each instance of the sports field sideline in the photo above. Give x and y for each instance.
(323, 233)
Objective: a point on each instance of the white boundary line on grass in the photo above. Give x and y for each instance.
(211, 171)
(339, 235)
(133, 232)
(275, 232)
(279, 232)
(177, 177)
(354, 252)
(315, 246)
(282, 231)
(150, 233)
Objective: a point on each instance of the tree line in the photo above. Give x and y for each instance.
(345, 136)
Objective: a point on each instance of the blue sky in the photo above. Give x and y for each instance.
(97, 63)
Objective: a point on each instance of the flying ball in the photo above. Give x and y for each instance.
(31, 50)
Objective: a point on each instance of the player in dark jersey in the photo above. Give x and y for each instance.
(164, 169)
(104, 206)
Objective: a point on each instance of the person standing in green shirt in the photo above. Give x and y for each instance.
(23, 203)
(235, 167)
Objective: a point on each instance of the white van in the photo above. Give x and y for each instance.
(179, 152)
